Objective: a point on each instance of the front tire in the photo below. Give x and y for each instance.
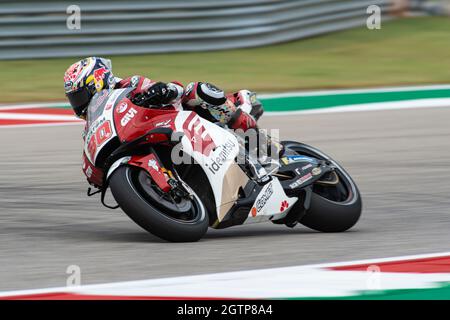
(143, 209)
(333, 210)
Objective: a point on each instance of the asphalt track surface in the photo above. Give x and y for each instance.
(400, 160)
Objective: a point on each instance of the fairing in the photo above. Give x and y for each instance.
(114, 119)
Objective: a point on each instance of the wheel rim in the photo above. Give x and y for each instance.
(343, 192)
(184, 210)
(336, 193)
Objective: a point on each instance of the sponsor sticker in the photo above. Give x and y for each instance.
(292, 159)
(128, 116)
(113, 97)
(99, 75)
(103, 133)
(122, 107)
(261, 202)
(284, 205)
(152, 164)
(220, 158)
(301, 181)
(300, 171)
(165, 123)
(98, 100)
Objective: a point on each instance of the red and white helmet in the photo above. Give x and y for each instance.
(84, 78)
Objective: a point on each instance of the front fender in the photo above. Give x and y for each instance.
(149, 163)
(116, 164)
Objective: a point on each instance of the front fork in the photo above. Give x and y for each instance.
(162, 177)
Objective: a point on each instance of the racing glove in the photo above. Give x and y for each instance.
(241, 120)
(159, 94)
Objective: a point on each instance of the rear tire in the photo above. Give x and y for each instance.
(324, 214)
(149, 216)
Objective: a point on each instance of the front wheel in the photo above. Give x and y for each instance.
(176, 219)
(333, 208)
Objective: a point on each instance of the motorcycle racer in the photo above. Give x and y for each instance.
(133, 152)
(85, 78)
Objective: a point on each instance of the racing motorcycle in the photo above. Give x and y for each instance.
(131, 150)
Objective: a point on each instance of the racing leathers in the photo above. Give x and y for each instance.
(239, 110)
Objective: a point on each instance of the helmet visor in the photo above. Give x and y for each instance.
(79, 101)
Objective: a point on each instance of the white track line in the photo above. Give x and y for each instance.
(296, 281)
(41, 125)
(36, 117)
(31, 106)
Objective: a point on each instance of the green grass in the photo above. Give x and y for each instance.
(407, 51)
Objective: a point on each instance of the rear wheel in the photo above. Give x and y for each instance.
(173, 217)
(335, 207)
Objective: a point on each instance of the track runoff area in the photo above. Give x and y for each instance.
(424, 276)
